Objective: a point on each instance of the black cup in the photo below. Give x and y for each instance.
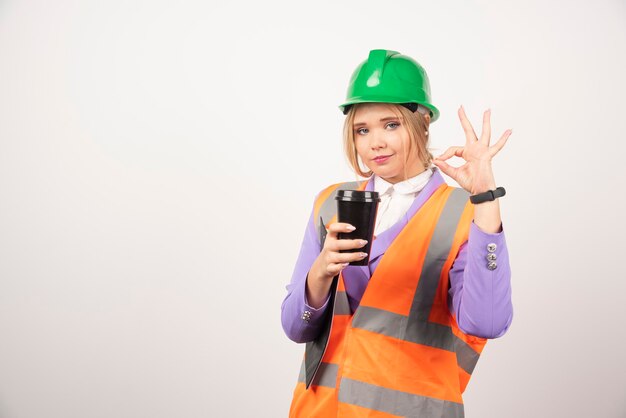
(358, 208)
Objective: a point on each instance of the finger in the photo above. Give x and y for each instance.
(446, 168)
(498, 145)
(470, 135)
(485, 135)
(335, 269)
(337, 227)
(345, 244)
(456, 151)
(340, 258)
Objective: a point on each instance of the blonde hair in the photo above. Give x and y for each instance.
(416, 126)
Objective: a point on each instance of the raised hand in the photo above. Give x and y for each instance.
(476, 175)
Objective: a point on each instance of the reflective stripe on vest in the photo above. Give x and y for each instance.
(401, 353)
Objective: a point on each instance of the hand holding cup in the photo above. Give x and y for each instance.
(332, 258)
(331, 261)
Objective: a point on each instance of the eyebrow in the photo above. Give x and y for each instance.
(382, 120)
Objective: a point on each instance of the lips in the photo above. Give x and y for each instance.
(381, 158)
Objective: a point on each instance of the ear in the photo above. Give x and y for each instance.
(427, 117)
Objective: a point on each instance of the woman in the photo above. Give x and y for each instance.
(401, 336)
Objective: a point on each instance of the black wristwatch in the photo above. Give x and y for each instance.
(488, 196)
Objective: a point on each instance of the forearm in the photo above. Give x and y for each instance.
(480, 296)
(487, 216)
(301, 321)
(317, 286)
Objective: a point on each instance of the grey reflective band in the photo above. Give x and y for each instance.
(301, 376)
(426, 333)
(326, 375)
(438, 249)
(342, 305)
(466, 356)
(396, 402)
(380, 321)
(329, 207)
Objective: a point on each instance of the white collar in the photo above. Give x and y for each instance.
(408, 186)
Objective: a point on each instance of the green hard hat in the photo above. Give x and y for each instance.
(390, 77)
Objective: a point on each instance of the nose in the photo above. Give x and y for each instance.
(377, 140)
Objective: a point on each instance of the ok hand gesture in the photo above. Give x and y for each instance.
(475, 175)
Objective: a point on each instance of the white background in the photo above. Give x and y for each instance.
(158, 163)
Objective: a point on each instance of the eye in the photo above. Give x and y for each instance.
(393, 125)
(361, 131)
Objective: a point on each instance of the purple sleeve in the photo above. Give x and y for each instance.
(481, 298)
(298, 325)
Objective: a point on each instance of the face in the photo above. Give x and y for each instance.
(378, 132)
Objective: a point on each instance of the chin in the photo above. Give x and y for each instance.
(385, 175)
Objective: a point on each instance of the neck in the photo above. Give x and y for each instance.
(410, 174)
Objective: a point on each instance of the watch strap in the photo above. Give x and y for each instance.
(488, 196)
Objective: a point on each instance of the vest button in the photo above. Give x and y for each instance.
(491, 257)
(491, 247)
(492, 265)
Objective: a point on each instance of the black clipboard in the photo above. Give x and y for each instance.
(314, 350)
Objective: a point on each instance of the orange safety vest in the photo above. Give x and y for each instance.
(401, 353)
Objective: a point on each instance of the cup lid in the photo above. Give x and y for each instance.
(357, 196)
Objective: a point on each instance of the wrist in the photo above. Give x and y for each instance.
(317, 286)
(316, 296)
(317, 273)
(483, 186)
(484, 178)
